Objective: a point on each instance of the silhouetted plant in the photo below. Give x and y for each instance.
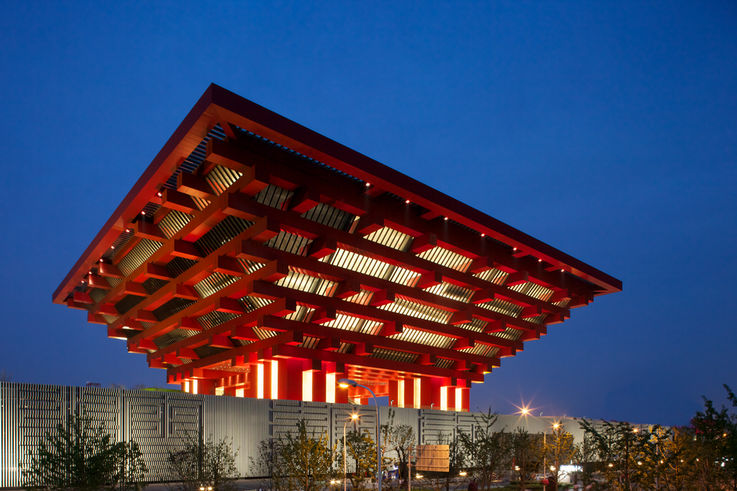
(77, 454)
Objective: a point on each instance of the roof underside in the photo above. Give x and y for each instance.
(249, 232)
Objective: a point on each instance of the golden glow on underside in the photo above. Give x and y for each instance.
(275, 379)
(259, 380)
(307, 386)
(240, 392)
(330, 387)
(400, 395)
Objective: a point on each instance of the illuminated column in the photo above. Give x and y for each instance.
(417, 393)
(271, 378)
(260, 377)
(307, 385)
(462, 398)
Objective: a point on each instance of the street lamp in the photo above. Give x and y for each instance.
(353, 417)
(344, 383)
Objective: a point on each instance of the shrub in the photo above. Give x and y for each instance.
(78, 455)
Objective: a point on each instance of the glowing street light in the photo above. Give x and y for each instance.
(344, 383)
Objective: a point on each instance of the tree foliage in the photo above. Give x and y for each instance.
(79, 455)
(400, 439)
(524, 448)
(487, 450)
(303, 460)
(362, 451)
(204, 463)
(701, 456)
(715, 432)
(557, 448)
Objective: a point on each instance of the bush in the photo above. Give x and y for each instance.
(204, 463)
(78, 455)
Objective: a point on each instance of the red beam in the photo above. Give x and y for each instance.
(317, 301)
(238, 289)
(315, 330)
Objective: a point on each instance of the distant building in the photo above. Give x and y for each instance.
(257, 258)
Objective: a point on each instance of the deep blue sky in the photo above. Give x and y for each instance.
(608, 130)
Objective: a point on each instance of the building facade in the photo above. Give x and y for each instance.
(256, 258)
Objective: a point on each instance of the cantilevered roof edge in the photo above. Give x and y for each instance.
(219, 105)
(290, 134)
(145, 187)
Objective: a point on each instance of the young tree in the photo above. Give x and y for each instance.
(83, 456)
(523, 446)
(266, 462)
(716, 435)
(558, 448)
(617, 445)
(457, 460)
(204, 463)
(400, 439)
(362, 450)
(304, 461)
(587, 458)
(486, 450)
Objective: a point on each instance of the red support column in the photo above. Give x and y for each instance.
(430, 392)
(290, 378)
(251, 381)
(318, 385)
(394, 393)
(206, 387)
(450, 397)
(409, 392)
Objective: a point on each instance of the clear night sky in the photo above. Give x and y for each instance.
(606, 130)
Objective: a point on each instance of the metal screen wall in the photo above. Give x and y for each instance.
(160, 421)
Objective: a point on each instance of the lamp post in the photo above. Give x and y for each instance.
(345, 383)
(353, 417)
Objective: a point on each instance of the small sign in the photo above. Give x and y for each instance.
(434, 458)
